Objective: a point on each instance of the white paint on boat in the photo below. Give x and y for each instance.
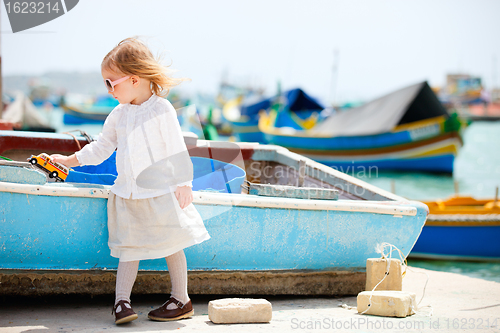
(224, 199)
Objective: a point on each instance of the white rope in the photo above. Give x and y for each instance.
(423, 294)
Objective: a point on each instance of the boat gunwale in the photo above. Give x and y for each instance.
(398, 208)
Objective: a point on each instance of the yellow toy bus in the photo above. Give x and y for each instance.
(53, 169)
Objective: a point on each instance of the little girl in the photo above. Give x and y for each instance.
(146, 219)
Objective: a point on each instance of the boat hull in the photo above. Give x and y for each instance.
(459, 237)
(243, 237)
(460, 228)
(439, 163)
(434, 154)
(74, 115)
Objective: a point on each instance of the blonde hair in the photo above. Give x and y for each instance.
(133, 57)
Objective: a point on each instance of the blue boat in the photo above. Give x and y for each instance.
(299, 109)
(459, 239)
(407, 129)
(96, 113)
(292, 238)
(460, 228)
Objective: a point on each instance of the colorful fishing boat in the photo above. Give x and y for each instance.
(82, 113)
(405, 130)
(307, 229)
(21, 113)
(460, 228)
(76, 115)
(302, 113)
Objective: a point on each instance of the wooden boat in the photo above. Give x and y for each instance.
(81, 113)
(460, 228)
(54, 235)
(19, 145)
(406, 130)
(244, 119)
(74, 114)
(23, 114)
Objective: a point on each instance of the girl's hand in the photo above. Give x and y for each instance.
(184, 195)
(69, 161)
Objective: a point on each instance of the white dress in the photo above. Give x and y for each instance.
(146, 222)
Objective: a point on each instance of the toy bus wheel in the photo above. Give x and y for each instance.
(53, 174)
(33, 161)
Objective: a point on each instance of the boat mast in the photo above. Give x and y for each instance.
(333, 82)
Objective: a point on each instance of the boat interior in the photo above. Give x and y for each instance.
(263, 164)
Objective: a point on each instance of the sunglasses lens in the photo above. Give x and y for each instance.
(108, 85)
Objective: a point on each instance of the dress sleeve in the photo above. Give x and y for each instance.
(98, 151)
(178, 155)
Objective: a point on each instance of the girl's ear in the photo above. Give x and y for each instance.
(135, 80)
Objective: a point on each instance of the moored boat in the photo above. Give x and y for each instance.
(408, 129)
(22, 113)
(85, 113)
(301, 113)
(460, 228)
(260, 244)
(74, 114)
(19, 145)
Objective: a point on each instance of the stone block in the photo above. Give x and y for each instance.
(375, 271)
(387, 303)
(239, 310)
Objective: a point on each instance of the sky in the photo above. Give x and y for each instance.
(337, 51)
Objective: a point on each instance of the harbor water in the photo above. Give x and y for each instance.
(476, 170)
(476, 173)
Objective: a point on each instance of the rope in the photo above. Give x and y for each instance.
(381, 249)
(423, 294)
(76, 140)
(82, 133)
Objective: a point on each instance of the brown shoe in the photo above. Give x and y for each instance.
(123, 312)
(164, 314)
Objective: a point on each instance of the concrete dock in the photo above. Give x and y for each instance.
(452, 303)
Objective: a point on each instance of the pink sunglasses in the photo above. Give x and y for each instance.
(111, 84)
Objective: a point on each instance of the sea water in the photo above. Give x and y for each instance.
(476, 172)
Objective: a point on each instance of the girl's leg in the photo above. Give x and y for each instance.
(125, 278)
(172, 310)
(177, 268)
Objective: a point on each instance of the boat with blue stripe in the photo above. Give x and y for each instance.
(407, 129)
(311, 237)
(303, 112)
(461, 228)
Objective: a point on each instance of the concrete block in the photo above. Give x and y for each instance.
(387, 303)
(239, 310)
(375, 271)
